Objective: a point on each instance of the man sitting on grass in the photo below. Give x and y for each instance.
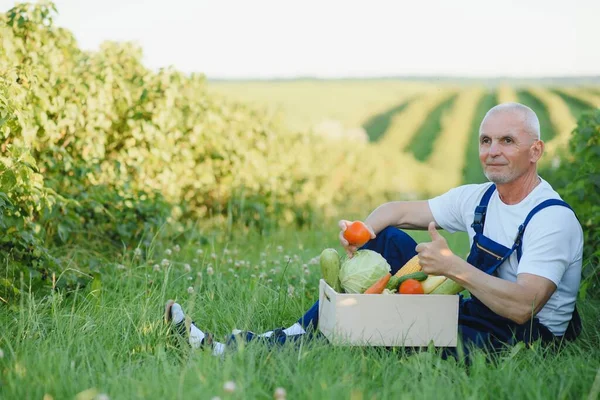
(524, 268)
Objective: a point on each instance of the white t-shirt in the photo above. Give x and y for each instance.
(552, 242)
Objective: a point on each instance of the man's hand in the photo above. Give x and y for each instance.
(435, 257)
(350, 249)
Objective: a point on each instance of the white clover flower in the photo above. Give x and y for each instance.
(102, 396)
(280, 394)
(226, 251)
(168, 252)
(137, 253)
(256, 267)
(290, 291)
(296, 257)
(156, 267)
(279, 249)
(199, 252)
(287, 258)
(307, 271)
(269, 280)
(187, 268)
(237, 264)
(229, 387)
(273, 271)
(199, 274)
(276, 262)
(231, 270)
(263, 263)
(165, 262)
(189, 278)
(120, 266)
(262, 275)
(213, 256)
(195, 261)
(176, 248)
(209, 271)
(190, 290)
(229, 261)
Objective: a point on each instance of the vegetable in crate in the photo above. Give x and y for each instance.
(432, 282)
(411, 286)
(395, 281)
(379, 286)
(330, 268)
(448, 287)
(411, 266)
(362, 270)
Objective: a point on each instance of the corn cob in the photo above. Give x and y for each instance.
(432, 282)
(411, 266)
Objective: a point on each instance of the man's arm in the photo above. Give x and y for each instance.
(518, 301)
(401, 214)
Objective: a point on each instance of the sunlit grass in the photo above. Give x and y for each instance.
(111, 341)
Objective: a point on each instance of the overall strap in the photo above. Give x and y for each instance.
(480, 210)
(547, 203)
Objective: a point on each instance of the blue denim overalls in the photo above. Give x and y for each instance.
(480, 325)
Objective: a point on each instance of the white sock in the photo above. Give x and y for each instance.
(295, 329)
(177, 313)
(196, 336)
(218, 348)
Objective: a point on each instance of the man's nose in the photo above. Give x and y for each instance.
(494, 149)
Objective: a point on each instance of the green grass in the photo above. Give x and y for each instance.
(472, 172)
(576, 106)
(421, 144)
(546, 128)
(114, 342)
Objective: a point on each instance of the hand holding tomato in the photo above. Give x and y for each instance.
(354, 235)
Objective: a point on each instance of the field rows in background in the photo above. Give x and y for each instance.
(574, 100)
(584, 98)
(409, 119)
(546, 128)
(422, 142)
(561, 119)
(472, 172)
(303, 104)
(409, 123)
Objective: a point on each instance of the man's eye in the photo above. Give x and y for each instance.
(508, 140)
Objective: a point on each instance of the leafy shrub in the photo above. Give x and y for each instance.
(576, 176)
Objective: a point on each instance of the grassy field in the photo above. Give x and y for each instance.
(110, 340)
(302, 104)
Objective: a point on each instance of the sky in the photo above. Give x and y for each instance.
(331, 38)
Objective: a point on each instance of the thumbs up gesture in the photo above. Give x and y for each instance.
(435, 257)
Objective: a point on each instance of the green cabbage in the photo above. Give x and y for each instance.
(358, 273)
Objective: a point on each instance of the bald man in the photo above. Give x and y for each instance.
(524, 267)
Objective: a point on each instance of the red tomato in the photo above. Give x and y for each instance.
(411, 286)
(357, 234)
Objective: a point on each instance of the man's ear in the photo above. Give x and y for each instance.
(537, 150)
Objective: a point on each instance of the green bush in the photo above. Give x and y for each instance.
(577, 178)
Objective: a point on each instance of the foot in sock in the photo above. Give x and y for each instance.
(196, 338)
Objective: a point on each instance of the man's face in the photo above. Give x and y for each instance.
(505, 148)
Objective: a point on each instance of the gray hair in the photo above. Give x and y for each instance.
(529, 117)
